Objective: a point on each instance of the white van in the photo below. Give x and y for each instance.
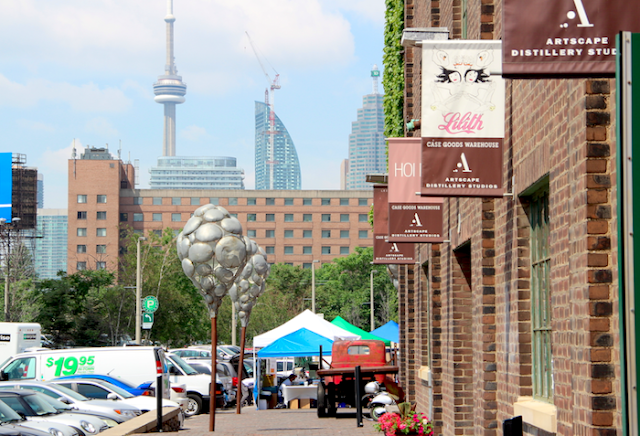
(136, 364)
(198, 385)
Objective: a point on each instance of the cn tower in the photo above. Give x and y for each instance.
(169, 89)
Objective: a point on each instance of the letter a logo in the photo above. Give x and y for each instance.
(415, 222)
(394, 248)
(463, 165)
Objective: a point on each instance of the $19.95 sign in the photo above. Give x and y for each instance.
(71, 365)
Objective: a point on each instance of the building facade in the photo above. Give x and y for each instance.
(276, 159)
(294, 227)
(50, 253)
(516, 313)
(216, 172)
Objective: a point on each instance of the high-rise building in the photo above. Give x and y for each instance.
(367, 143)
(169, 89)
(217, 172)
(40, 189)
(277, 165)
(50, 254)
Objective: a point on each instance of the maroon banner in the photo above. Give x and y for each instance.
(392, 252)
(380, 209)
(564, 37)
(417, 222)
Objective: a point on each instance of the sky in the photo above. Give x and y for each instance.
(82, 72)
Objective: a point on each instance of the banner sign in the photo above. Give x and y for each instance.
(564, 37)
(412, 218)
(385, 252)
(463, 109)
(6, 186)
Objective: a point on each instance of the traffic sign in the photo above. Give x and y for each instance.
(147, 320)
(150, 304)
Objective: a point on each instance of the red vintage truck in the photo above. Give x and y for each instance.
(337, 384)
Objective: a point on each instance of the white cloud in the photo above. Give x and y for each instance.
(36, 125)
(194, 133)
(101, 126)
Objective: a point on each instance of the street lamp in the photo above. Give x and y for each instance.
(313, 285)
(138, 292)
(373, 271)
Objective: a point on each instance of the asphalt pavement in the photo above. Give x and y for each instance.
(280, 422)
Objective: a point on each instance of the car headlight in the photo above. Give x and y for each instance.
(55, 432)
(88, 427)
(109, 422)
(127, 412)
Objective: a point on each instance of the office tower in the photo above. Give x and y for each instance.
(277, 165)
(367, 143)
(51, 244)
(169, 89)
(40, 189)
(217, 172)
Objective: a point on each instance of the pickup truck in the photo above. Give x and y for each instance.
(337, 384)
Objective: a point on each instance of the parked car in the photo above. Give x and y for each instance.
(128, 386)
(31, 405)
(117, 411)
(227, 351)
(65, 408)
(103, 390)
(223, 375)
(191, 353)
(12, 424)
(198, 385)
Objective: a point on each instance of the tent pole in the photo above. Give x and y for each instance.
(243, 334)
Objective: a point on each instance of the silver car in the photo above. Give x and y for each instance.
(119, 412)
(13, 424)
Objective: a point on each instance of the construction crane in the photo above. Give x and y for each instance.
(270, 102)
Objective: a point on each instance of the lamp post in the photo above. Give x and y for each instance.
(373, 271)
(313, 285)
(138, 291)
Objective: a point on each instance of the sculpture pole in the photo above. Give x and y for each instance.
(243, 334)
(214, 364)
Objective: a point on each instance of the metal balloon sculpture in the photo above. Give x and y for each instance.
(213, 253)
(392, 269)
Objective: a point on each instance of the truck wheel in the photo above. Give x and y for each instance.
(194, 406)
(321, 401)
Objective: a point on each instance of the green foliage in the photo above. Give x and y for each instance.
(393, 61)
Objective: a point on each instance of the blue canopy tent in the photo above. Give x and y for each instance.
(388, 331)
(301, 343)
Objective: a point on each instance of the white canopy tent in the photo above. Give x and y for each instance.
(308, 320)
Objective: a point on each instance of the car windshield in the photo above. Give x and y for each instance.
(117, 389)
(39, 405)
(248, 366)
(58, 405)
(202, 369)
(69, 393)
(183, 365)
(7, 414)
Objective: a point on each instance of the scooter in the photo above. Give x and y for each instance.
(379, 402)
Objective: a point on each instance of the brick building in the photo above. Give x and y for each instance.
(294, 227)
(517, 313)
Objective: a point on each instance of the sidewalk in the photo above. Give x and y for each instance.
(280, 422)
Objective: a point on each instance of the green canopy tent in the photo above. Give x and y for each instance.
(342, 323)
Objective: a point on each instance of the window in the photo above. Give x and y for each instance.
(344, 202)
(307, 217)
(81, 231)
(307, 201)
(306, 265)
(80, 266)
(270, 201)
(251, 217)
(82, 215)
(82, 198)
(288, 201)
(288, 217)
(362, 202)
(156, 217)
(124, 217)
(540, 296)
(326, 202)
(344, 250)
(176, 201)
(195, 201)
(363, 234)
(288, 233)
(288, 249)
(158, 233)
(363, 217)
(81, 249)
(326, 217)
(326, 250)
(137, 201)
(176, 217)
(326, 233)
(101, 265)
(24, 368)
(270, 249)
(138, 217)
(251, 233)
(344, 234)
(307, 233)
(306, 250)
(269, 233)
(101, 199)
(234, 215)
(101, 232)
(157, 201)
(344, 217)
(251, 201)
(92, 391)
(101, 249)
(101, 215)
(270, 217)
(213, 201)
(233, 201)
